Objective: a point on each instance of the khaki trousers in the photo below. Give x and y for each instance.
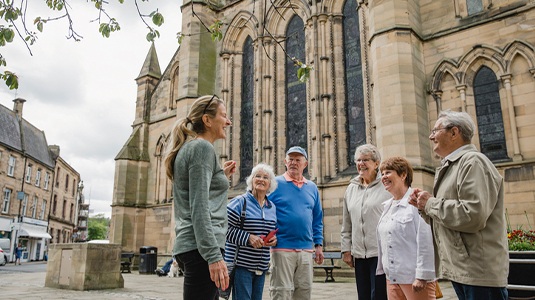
(291, 275)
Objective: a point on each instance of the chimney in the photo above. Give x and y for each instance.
(54, 150)
(17, 108)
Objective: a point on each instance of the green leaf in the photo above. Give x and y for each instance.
(150, 37)
(9, 35)
(157, 19)
(40, 26)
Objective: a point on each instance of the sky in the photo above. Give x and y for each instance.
(83, 94)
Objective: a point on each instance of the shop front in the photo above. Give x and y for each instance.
(32, 236)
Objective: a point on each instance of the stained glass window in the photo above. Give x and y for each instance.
(489, 115)
(356, 120)
(474, 6)
(246, 125)
(296, 106)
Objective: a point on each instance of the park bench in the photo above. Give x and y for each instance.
(329, 268)
(125, 265)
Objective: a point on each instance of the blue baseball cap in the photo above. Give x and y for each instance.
(297, 149)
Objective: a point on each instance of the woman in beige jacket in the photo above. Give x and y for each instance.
(362, 209)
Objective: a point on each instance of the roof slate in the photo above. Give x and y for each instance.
(34, 139)
(9, 128)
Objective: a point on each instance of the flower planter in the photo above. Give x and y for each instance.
(521, 280)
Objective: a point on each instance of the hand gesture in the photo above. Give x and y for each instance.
(229, 167)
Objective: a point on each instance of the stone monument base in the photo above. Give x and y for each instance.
(84, 266)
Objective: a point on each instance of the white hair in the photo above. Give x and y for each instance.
(266, 169)
(368, 149)
(461, 120)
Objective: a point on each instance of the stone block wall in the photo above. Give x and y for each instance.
(84, 267)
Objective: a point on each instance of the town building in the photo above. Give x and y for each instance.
(382, 71)
(64, 204)
(29, 185)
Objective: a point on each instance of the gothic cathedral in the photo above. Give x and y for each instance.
(382, 70)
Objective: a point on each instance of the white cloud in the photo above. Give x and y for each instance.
(83, 94)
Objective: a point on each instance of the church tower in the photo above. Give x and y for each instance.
(132, 164)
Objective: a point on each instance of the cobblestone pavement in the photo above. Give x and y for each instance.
(17, 284)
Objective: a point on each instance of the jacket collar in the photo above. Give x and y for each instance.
(457, 156)
(441, 171)
(404, 202)
(357, 181)
(251, 198)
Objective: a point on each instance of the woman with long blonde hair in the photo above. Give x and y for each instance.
(200, 188)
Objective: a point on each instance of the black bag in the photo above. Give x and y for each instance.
(231, 266)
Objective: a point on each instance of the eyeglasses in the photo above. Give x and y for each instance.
(204, 111)
(434, 131)
(364, 160)
(258, 176)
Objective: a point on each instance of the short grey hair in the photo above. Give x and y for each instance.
(368, 149)
(461, 120)
(266, 169)
(288, 157)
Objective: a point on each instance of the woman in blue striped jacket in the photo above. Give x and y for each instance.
(261, 218)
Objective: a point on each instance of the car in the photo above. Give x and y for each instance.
(3, 258)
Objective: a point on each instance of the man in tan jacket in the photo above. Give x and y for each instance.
(466, 212)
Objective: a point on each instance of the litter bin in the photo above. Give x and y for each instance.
(148, 259)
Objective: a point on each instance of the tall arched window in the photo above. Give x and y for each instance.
(247, 113)
(356, 120)
(296, 105)
(174, 89)
(489, 115)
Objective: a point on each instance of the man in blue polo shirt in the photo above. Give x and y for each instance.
(300, 223)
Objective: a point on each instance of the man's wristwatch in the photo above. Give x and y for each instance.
(316, 245)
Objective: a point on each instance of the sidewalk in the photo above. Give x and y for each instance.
(23, 285)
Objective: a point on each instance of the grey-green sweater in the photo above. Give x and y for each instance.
(200, 190)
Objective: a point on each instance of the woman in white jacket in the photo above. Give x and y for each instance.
(404, 239)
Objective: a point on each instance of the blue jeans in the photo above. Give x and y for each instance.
(474, 292)
(369, 286)
(247, 285)
(167, 266)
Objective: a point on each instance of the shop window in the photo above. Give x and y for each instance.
(11, 166)
(7, 198)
